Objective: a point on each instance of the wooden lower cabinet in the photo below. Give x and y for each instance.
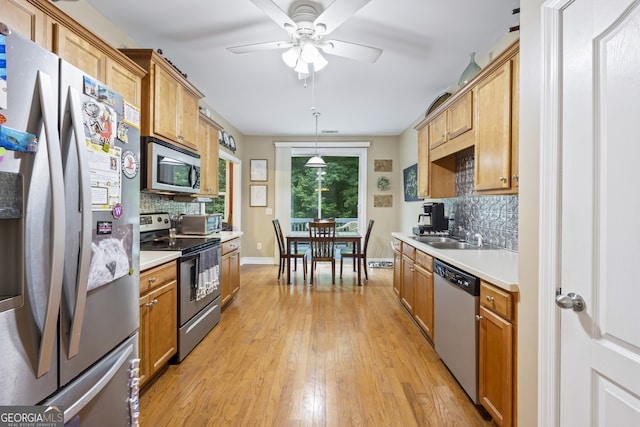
(157, 341)
(423, 293)
(397, 266)
(407, 283)
(496, 353)
(230, 274)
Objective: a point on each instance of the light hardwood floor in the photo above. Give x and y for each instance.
(321, 355)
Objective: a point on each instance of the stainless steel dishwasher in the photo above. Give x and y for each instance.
(456, 297)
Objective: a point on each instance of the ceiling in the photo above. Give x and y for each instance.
(426, 46)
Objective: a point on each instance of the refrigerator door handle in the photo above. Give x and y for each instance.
(49, 118)
(72, 110)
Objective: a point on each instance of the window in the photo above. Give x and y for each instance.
(288, 206)
(330, 192)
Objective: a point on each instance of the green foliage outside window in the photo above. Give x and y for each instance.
(339, 188)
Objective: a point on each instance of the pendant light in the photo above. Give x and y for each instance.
(316, 161)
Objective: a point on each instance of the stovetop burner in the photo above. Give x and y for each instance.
(155, 236)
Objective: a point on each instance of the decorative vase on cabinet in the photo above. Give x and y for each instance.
(471, 70)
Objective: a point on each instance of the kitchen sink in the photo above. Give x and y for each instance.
(435, 239)
(457, 245)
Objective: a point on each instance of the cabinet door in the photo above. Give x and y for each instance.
(438, 130)
(235, 272)
(188, 119)
(423, 300)
(163, 325)
(493, 143)
(123, 81)
(79, 52)
(515, 122)
(397, 272)
(460, 116)
(208, 149)
(406, 291)
(424, 163)
(225, 277)
(496, 367)
(27, 20)
(143, 341)
(165, 101)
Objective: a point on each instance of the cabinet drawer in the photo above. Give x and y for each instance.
(409, 251)
(230, 246)
(157, 276)
(396, 244)
(496, 300)
(424, 260)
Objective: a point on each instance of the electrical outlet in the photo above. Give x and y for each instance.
(259, 245)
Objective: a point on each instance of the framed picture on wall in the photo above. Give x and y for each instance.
(410, 177)
(258, 170)
(258, 195)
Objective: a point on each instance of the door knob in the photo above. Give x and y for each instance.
(571, 300)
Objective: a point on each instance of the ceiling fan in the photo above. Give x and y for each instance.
(308, 26)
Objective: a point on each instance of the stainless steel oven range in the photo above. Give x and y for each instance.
(198, 277)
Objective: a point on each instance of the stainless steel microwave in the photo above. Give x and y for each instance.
(171, 169)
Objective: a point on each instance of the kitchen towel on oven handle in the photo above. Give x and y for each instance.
(208, 276)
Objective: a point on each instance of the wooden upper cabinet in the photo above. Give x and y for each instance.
(80, 52)
(208, 148)
(424, 164)
(124, 81)
(515, 122)
(169, 101)
(165, 101)
(452, 122)
(460, 116)
(493, 132)
(27, 20)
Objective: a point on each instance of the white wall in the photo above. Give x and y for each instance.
(530, 89)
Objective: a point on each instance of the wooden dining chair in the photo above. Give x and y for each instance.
(322, 241)
(350, 253)
(286, 255)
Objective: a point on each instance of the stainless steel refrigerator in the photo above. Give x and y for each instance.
(69, 239)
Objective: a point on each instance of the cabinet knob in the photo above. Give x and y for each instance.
(152, 280)
(154, 302)
(503, 179)
(490, 298)
(149, 304)
(478, 317)
(515, 177)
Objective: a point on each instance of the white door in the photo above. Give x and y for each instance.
(592, 63)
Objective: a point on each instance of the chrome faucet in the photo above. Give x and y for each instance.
(479, 237)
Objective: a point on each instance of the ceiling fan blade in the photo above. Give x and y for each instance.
(351, 50)
(336, 13)
(274, 12)
(247, 48)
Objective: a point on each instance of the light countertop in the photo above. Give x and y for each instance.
(228, 235)
(496, 266)
(149, 259)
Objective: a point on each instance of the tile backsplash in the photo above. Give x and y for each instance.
(495, 217)
(150, 202)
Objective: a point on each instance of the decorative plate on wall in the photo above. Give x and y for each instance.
(232, 143)
(383, 183)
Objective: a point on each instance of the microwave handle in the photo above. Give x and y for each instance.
(193, 176)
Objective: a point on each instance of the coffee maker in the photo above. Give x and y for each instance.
(432, 219)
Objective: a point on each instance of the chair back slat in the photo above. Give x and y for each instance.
(322, 237)
(366, 237)
(279, 236)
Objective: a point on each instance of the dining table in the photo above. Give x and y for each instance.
(348, 237)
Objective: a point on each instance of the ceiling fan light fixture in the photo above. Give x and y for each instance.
(290, 57)
(302, 67)
(320, 62)
(309, 52)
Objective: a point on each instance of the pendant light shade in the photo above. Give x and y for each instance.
(290, 57)
(316, 161)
